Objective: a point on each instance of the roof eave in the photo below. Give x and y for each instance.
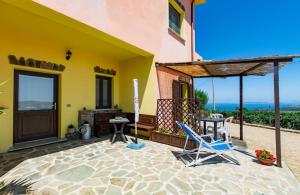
(198, 2)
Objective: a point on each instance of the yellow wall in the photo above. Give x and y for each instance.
(144, 70)
(185, 91)
(31, 36)
(76, 83)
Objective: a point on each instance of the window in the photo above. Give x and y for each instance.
(174, 19)
(103, 92)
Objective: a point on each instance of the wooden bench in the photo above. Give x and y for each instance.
(145, 126)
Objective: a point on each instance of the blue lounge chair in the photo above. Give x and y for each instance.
(218, 147)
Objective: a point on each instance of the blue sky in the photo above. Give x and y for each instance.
(250, 28)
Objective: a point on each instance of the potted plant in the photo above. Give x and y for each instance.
(163, 130)
(178, 139)
(161, 136)
(71, 129)
(236, 121)
(265, 157)
(182, 133)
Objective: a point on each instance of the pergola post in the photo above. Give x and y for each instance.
(241, 108)
(277, 113)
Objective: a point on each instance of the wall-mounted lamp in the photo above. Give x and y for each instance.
(68, 54)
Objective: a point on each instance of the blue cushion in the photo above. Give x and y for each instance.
(188, 132)
(218, 145)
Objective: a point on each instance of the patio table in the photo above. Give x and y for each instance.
(120, 131)
(213, 120)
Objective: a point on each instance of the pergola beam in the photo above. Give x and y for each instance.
(232, 67)
(205, 68)
(270, 59)
(171, 69)
(239, 61)
(223, 76)
(253, 68)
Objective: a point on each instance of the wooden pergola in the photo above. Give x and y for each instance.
(259, 66)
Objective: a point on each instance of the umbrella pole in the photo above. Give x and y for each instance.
(136, 141)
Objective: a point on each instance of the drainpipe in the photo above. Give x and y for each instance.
(192, 42)
(192, 29)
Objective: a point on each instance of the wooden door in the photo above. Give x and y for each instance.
(35, 106)
(176, 90)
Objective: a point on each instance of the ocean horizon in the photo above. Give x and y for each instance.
(254, 106)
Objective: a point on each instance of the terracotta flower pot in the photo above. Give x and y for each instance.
(268, 162)
(236, 121)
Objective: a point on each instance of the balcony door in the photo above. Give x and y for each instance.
(35, 106)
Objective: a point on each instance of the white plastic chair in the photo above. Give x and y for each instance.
(216, 115)
(224, 130)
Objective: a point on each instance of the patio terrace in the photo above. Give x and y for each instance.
(98, 167)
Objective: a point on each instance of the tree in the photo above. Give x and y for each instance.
(202, 96)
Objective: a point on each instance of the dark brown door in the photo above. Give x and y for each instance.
(176, 90)
(35, 106)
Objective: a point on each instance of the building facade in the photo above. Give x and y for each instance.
(59, 57)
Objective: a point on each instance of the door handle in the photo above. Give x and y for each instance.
(54, 105)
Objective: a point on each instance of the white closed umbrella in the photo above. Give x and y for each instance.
(136, 106)
(135, 145)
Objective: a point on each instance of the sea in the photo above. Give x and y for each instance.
(254, 106)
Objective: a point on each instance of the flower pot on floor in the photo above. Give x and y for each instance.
(265, 157)
(267, 162)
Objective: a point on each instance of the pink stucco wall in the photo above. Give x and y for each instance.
(143, 23)
(165, 79)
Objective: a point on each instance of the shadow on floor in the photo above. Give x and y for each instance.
(215, 160)
(10, 160)
(240, 143)
(15, 187)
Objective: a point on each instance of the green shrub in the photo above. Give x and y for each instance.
(163, 130)
(289, 120)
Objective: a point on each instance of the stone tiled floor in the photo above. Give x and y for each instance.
(262, 138)
(102, 168)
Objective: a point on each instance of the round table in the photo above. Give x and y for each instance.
(213, 120)
(120, 131)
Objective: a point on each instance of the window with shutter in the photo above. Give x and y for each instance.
(174, 19)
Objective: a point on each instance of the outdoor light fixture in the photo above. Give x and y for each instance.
(68, 54)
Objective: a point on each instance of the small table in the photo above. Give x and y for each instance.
(115, 122)
(213, 120)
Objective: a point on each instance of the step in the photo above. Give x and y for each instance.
(36, 143)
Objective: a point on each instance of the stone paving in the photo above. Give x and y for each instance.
(266, 140)
(102, 168)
